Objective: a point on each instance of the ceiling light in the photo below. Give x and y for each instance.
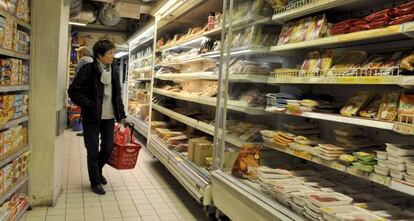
(167, 8)
(77, 23)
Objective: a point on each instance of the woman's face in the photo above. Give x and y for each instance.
(108, 58)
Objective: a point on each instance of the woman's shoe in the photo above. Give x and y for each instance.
(98, 189)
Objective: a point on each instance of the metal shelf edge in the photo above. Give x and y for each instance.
(4, 161)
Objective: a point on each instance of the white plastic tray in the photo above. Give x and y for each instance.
(382, 170)
(400, 150)
(382, 155)
(396, 166)
(329, 199)
(330, 213)
(366, 216)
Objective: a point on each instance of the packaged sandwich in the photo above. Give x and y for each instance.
(371, 110)
(312, 64)
(389, 106)
(317, 27)
(406, 108)
(348, 60)
(356, 103)
(326, 61)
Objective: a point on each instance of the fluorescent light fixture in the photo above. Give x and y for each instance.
(167, 8)
(77, 23)
(231, 53)
(120, 54)
(146, 34)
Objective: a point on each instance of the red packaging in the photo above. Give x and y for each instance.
(407, 5)
(403, 11)
(339, 30)
(402, 19)
(378, 15)
(379, 24)
(346, 22)
(360, 22)
(359, 28)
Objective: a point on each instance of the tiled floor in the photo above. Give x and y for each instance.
(149, 192)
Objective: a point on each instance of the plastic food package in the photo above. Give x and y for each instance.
(247, 162)
(365, 216)
(397, 174)
(329, 199)
(406, 108)
(397, 166)
(355, 103)
(363, 167)
(382, 170)
(347, 61)
(371, 110)
(382, 155)
(389, 106)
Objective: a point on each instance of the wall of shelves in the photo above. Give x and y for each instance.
(178, 104)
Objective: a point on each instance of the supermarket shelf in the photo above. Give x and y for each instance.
(14, 88)
(17, 20)
(196, 40)
(13, 190)
(191, 179)
(212, 101)
(307, 7)
(143, 79)
(199, 125)
(395, 32)
(139, 125)
(14, 122)
(10, 157)
(366, 122)
(188, 76)
(21, 213)
(240, 51)
(404, 81)
(14, 54)
(213, 76)
(400, 186)
(143, 69)
(195, 59)
(140, 59)
(256, 205)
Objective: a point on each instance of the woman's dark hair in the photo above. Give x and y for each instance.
(101, 47)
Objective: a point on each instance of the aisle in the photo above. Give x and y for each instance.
(149, 192)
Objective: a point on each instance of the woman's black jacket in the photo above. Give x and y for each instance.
(87, 91)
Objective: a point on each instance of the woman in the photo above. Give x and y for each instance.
(97, 90)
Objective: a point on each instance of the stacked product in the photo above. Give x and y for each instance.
(199, 150)
(352, 63)
(11, 38)
(11, 208)
(390, 16)
(13, 72)
(352, 138)
(240, 66)
(247, 132)
(13, 172)
(400, 159)
(19, 8)
(13, 106)
(12, 139)
(309, 194)
(279, 101)
(303, 128)
(306, 29)
(255, 36)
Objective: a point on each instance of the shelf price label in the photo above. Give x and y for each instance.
(404, 128)
(338, 166)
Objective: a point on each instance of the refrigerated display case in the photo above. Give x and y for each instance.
(140, 74)
(331, 137)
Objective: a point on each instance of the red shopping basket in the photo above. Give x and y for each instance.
(124, 156)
